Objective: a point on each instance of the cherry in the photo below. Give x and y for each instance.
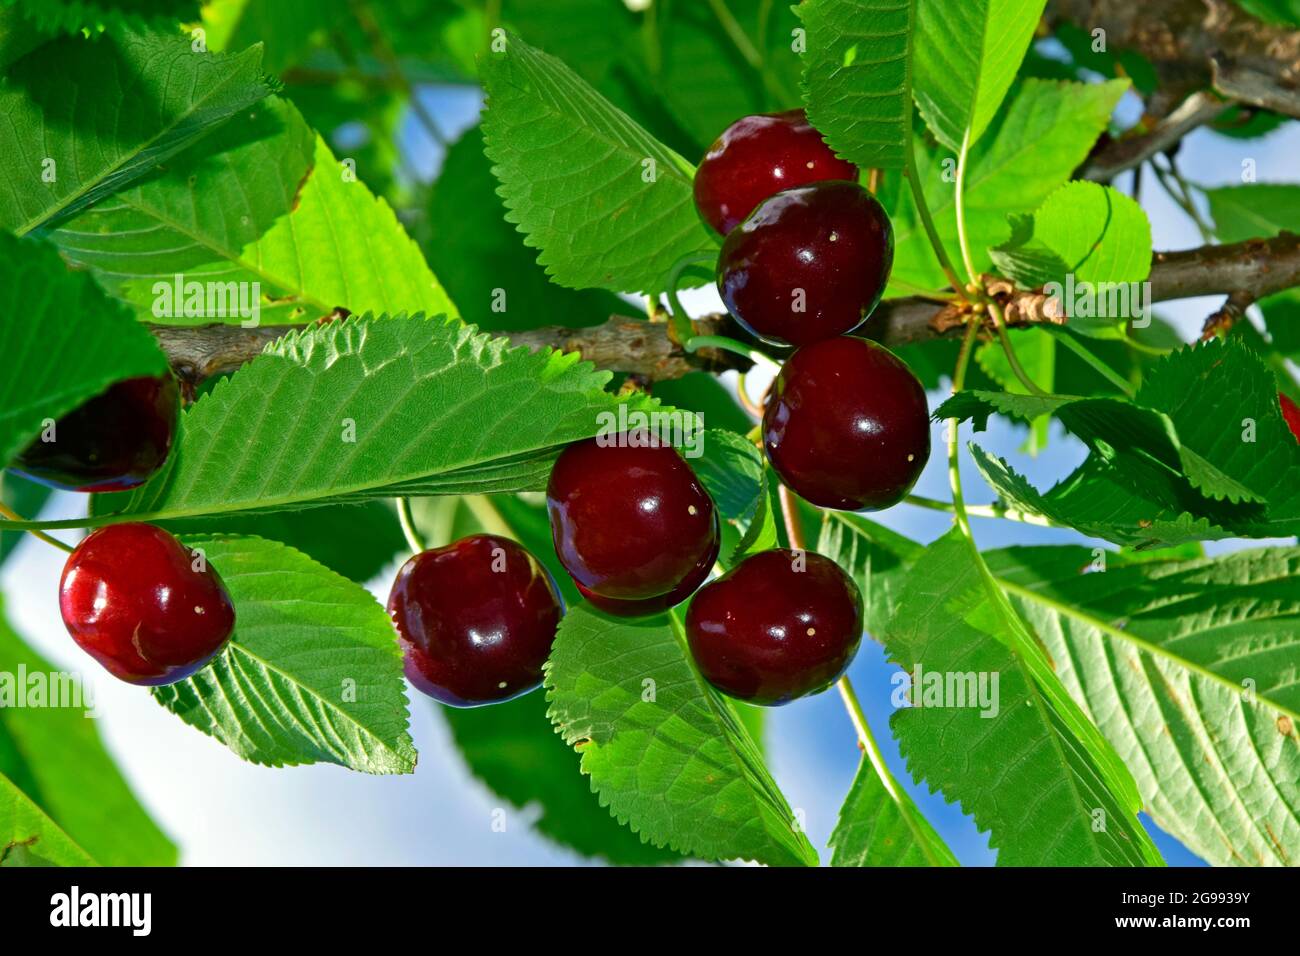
(757, 156)
(476, 620)
(1291, 412)
(847, 425)
(779, 625)
(656, 605)
(808, 264)
(629, 518)
(115, 441)
(143, 605)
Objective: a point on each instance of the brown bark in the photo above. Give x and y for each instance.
(1254, 269)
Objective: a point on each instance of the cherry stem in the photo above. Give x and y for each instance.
(959, 201)
(11, 515)
(995, 311)
(742, 396)
(793, 529)
(997, 509)
(954, 471)
(487, 515)
(697, 342)
(384, 52)
(1102, 369)
(750, 53)
(927, 220)
(407, 519)
(681, 321)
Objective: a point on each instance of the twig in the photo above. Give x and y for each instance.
(1221, 321)
(1132, 151)
(1260, 267)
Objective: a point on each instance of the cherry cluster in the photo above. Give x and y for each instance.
(805, 259)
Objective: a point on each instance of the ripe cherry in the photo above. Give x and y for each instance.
(757, 156)
(808, 264)
(1291, 412)
(629, 518)
(847, 425)
(476, 620)
(655, 605)
(779, 625)
(142, 604)
(115, 441)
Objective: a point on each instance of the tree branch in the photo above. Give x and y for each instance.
(1131, 151)
(1252, 269)
(1190, 42)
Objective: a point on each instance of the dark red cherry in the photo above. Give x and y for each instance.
(808, 264)
(115, 441)
(145, 606)
(779, 625)
(629, 518)
(847, 425)
(757, 156)
(1291, 412)
(476, 620)
(655, 605)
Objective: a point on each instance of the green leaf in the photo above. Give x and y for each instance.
(513, 749)
(54, 364)
(1089, 231)
(607, 205)
(1143, 510)
(731, 468)
(858, 77)
(117, 107)
(1242, 444)
(244, 214)
(313, 673)
(491, 274)
(356, 540)
(966, 55)
(30, 838)
(1257, 209)
(400, 405)
(876, 557)
(1031, 149)
(52, 751)
(1282, 319)
(1189, 669)
(879, 825)
(1279, 12)
(1180, 436)
(1123, 435)
(679, 768)
(1026, 764)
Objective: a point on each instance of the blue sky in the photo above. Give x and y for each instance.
(225, 812)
